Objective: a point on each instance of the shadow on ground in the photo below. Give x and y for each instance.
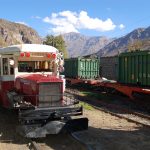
(94, 138)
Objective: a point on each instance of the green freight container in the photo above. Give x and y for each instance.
(83, 68)
(134, 68)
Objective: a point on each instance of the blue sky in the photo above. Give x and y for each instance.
(112, 18)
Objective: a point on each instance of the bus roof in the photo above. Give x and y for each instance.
(28, 48)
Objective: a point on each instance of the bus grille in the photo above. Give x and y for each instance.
(50, 94)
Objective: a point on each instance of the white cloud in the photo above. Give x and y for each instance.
(68, 21)
(46, 19)
(121, 26)
(64, 29)
(94, 23)
(21, 22)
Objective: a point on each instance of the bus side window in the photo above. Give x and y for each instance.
(11, 64)
(5, 66)
(0, 67)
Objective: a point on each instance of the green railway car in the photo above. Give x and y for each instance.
(83, 68)
(134, 68)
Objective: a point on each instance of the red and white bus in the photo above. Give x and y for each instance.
(23, 65)
(30, 82)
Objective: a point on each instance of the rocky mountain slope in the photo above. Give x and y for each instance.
(15, 33)
(122, 44)
(80, 45)
(76, 43)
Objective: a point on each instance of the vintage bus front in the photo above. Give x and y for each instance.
(33, 71)
(39, 80)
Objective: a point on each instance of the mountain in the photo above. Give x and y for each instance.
(122, 44)
(80, 45)
(76, 43)
(14, 33)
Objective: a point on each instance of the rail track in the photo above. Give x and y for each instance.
(113, 109)
(90, 139)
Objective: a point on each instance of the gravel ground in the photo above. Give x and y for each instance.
(10, 140)
(108, 132)
(60, 142)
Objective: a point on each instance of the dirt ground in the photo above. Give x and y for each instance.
(10, 140)
(108, 132)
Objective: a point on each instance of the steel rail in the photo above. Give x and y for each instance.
(111, 106)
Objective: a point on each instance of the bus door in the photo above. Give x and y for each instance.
(6, 77)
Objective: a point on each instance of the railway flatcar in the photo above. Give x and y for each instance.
(30, 82)
(128, 73)
(133, 74)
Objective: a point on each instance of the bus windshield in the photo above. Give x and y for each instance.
(35, 66)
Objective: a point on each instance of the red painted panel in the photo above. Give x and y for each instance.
(5, 86)
(29, 85)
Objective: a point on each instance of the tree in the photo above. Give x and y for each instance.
(58, 42)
